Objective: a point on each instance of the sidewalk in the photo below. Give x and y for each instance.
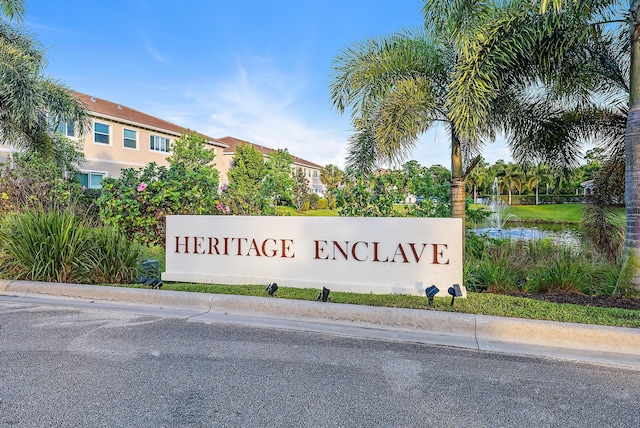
(579, 342)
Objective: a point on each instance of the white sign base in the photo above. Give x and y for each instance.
(363, 255)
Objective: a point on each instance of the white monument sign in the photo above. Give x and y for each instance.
(364, 255)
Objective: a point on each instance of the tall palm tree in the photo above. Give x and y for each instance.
(512, 179)
(535, 175)
(573, 52)
(478, 179)
(397, 87)
(31, 104)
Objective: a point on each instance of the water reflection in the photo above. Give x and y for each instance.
(559, 234)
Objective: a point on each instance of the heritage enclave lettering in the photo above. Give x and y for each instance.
(375, 251)
(235, 246)
(360, 251)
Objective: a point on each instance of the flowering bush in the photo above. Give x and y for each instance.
(138, 202)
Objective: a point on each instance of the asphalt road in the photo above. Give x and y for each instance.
(62, 366)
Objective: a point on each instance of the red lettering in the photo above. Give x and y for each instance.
(320, 250)
(197, 245)
(400, 251)
(213, 246)
(440, 253)
(264, 249)
(415, 253)
(239, 244)
(342, 250)
(186, 244)
(375, 253)
(354, 251)
(286, 246)
(254, 247)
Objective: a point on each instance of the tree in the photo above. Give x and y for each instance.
(576, 51)
(477, 179)
(245, 195)
(138, 202)
(278, 182)
(534, 176)
(190, 151)
(397, 87)
(370, 195)
(301, 190)
(331, 176)
(31, 104)
(513, 179)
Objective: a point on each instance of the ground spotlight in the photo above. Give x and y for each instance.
(271, 288)
(150, 282)
(431, 292)
(324, 294)
(455, 291)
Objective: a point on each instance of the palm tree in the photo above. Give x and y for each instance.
(397, 87)
(477, 179)
(512, 179)
(573, 53)
(31, 104)
(534, 176)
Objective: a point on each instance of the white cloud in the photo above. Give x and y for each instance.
(264, 105)
(155, 54)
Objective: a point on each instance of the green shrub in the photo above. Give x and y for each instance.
(117, 258)
(565, 274)
(322, 204)
(58, 246)
(314, 199)
(46, 246)
(490, 276)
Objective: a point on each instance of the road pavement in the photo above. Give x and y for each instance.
(83, 363)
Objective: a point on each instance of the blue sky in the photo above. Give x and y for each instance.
(254, 70)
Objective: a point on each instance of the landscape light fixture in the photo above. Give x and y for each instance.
(150, 282)
(272, 288)
(455, 291)
(324, 294)
(431, 292)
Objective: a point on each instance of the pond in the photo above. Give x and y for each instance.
(559, 233)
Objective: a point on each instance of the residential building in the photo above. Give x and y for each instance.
(310, 169)
(121, 137)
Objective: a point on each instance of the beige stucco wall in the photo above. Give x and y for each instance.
(113, 157)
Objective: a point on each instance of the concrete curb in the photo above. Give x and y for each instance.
(609, 345)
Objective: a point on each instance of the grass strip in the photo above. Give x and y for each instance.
(475, 303)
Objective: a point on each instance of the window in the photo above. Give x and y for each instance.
(158, 144)
(65, 127)
(91, 180)
(130, 139)
(101, 133)
(315, 173)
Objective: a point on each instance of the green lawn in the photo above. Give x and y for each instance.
(290, 211)
(548, 213)
(552, 213)
(476, 303)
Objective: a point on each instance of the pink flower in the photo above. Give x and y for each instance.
(223, 188)
(219, 206)
(227, 209)
(84, 188)
(142, 186)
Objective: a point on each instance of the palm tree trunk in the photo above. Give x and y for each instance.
(629, 280)
(536, 194)
(457, 181)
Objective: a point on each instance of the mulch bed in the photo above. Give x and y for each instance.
(584, 300)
